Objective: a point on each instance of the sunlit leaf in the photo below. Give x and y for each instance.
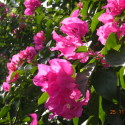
(42, 98)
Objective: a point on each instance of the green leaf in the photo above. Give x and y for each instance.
(34, 68)
(82, 49)
(3, 121)
(4, 111)
(49, 23)
(41, 122)
(105, 83)
(21, 72)
(75, 121)
(13, 74)
(121, 73)
(92, 61)
(42, 98)
(84, 10)
(39, 19)
(95, 20)
(27, 119)
(117, 47)
(116, 58)
(101, 111)
(9, 117)
(111, 43)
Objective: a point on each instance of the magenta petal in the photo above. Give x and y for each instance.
(43, 69)
(34, 119)
(6, 86)
(28, 11)
(75, 13)
(85, 101)
(61, 64)
(73, 26)
(106, 17)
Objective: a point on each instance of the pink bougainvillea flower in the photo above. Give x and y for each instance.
(53, 83)
(73, 26)
(17, 59)
(104, 31)
(29, 54)
(106, 17)
(75, 94)
(87, 98)
(34, 119)
(6, 86)
(68, 40)
(30, 6)
(23, 54)
(12, 66)
(64, 71)
(52, 77)
(67, 46)
(47, 79)
(56, 79)
(32, 3)
(115, 6)
(75, 13)
(83, 56)
(38, 47)
(121, 30)
(41, 79)
(61, 64)
(64, 106)
(75, 29)
(29, 11)
(39, 38)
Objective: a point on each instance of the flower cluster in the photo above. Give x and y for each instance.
(75, 29)
(39, 38)
(113, 8)
(56, 79)
(16, 61)
(30, 6)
